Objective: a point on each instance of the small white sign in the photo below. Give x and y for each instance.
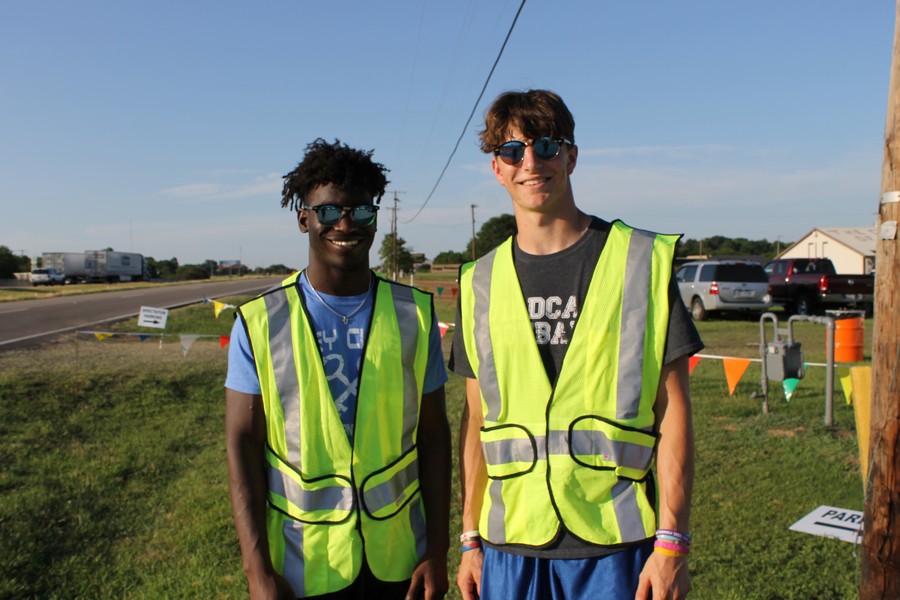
(153, 317)
(830, 521)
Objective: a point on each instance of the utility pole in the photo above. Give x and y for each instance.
(396, 274)
(880, 564)
(473, 231)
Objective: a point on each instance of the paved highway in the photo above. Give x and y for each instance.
(28, 321)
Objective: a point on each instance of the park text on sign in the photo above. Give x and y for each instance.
(153, 317)
(833, 522)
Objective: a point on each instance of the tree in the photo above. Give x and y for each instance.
(403, 257)
(449, 257)
(493, 233)
(11, 264)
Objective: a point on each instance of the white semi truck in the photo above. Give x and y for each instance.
(96, 265)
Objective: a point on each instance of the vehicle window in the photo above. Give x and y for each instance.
(708, 273)
(769, 268)
(686, 273)
(40, 272)
(741, 272)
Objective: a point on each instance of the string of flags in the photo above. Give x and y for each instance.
(734, 367)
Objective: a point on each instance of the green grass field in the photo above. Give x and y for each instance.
(114, 480)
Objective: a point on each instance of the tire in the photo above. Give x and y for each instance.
(698, 312)
(804, 306)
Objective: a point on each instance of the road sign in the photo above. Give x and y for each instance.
(153, 317)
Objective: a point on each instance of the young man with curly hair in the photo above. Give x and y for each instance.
(337, 435)
(575, 346)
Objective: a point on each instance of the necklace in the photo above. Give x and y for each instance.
(344, 318)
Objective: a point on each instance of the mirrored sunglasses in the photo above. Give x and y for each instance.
(330, 214)
(545, 148)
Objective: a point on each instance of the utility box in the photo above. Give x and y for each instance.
(784, 360)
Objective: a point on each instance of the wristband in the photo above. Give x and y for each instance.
(673, 546)
(671, 533)
(467, 548)
(668, 552)
(470, 535)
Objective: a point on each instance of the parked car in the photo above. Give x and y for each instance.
(47, 277)
(717, 285)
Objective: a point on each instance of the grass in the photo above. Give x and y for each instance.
(114, 481)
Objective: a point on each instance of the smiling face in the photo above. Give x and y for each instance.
(338, 254)
(534, 184)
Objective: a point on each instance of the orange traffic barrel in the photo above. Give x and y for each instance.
(849, 327)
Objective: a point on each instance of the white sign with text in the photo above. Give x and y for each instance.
(153, 317)
(833, 522)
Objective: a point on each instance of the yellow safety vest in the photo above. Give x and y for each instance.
(327, 501)
(577, 452)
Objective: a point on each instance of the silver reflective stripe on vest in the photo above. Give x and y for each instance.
(391, 491)
(417, 525)
(628, 514)
(288, 387)
(583, 443)
(336, 497)
(635, 303)
(294, 568)
(623, 454)
(496, 522)
(408, 319)
(487, 372)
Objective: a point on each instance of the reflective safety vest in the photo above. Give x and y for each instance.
(577, 452)
(326, 499)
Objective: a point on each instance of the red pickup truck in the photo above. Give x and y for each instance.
(809, 285)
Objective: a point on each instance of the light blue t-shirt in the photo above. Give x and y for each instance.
(341, 346)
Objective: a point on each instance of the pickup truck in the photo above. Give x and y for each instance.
(809, 285)
(47, 277)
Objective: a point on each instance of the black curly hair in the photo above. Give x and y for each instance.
(337, 164)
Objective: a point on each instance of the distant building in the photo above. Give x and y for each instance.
(851, 249)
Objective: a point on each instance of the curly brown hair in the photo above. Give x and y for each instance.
(337, 164)
(535, 113)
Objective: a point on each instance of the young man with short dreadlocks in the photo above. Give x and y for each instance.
(337, 434)
(575, 345)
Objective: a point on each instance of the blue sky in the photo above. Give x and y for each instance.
(164, 127)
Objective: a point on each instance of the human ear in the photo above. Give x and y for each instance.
(303, 220)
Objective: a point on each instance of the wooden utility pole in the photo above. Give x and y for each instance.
(396, 274)
(880, 577)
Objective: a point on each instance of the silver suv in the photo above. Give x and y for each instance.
(47, 277)
(713, 285)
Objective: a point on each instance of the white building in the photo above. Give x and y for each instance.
(851, 249)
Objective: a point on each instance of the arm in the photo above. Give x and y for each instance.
(245, 430)
(429, 580)
(473, 475)
(668, 576)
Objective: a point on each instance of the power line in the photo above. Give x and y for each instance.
(471, 114)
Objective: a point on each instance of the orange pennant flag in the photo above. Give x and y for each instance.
(692, 362)
(734, 370)
(444, 327)
(223, 340)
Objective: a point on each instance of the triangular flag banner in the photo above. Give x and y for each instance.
(218, 307)
(789, 385)
(444, 327)
(692, 362)
(846, 383)
(205, 299)
(440, 290)
(143, 336)
(223, 340)
(453, 291)
(186, 342)
(734, 370)
(102, 336)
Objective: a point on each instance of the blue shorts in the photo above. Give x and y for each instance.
(505, 575)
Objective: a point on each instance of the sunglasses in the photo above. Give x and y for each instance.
(330, 214)
(545, 148)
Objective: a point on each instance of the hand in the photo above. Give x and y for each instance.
(469, 577)
(667, 577)
(270, 586)
(429, 580)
